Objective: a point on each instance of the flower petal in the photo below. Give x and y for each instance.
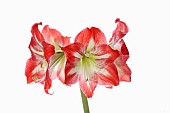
(57, 66)
(124, 51)
(73, 54)
(124, 71)
(91, 37)
(48, 50)
(88, 87)
(108, 76)
(34, 71)
(104, 51)
(74, 51)
(36, 33)
(48, 83)
(49, 34)
(54, 37)
(120, 31)
(35, 45)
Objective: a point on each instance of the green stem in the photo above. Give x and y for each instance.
(85, 103)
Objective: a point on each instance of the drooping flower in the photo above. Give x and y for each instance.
(117, 43)
(47, 59)
(90, 61)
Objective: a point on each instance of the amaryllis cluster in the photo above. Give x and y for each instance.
(89, 60)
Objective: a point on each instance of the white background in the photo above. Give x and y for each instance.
(147, 41)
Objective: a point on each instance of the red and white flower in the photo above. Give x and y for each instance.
(90, 61)
(117, 43)
(48, 60)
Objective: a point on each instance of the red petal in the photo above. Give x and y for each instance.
(62, 41)
(57, 66)
(32, 74)
(71, 79)
(120, 31)
(124, 51)
(36, 33)
(98, 35)
(88, 87)
(104, 51)
(48, 84)
(124, 71)
(49, 34)
(48, 50)
(109, 76)
(36, 48)
(71, 51)
(52, 35)
(86, 35)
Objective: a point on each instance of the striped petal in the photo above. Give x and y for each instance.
(50, 34)
(108, 75)
(49, 50)
(73, 53)
(35, 45)
(104, 52)
(36, 33)
(88, 87)
(120, 31)
(124, 71)
(36, 50)
(91, 37)
(54, 37)
(57, 66)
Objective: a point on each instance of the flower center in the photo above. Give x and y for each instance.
(88, 65)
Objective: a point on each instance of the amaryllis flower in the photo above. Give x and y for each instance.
(117, 43)
(90, 61)
(47, 59)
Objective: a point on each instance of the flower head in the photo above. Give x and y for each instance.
(90, 61)
(48, 60)
(117, 43)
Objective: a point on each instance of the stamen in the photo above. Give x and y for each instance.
(35, 78)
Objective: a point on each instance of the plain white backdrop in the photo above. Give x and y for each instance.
(147, 41)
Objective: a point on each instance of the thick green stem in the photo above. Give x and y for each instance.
(85, 103)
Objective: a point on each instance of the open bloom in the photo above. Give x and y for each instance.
(48, 60)
(117, 43)
(90, 61)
